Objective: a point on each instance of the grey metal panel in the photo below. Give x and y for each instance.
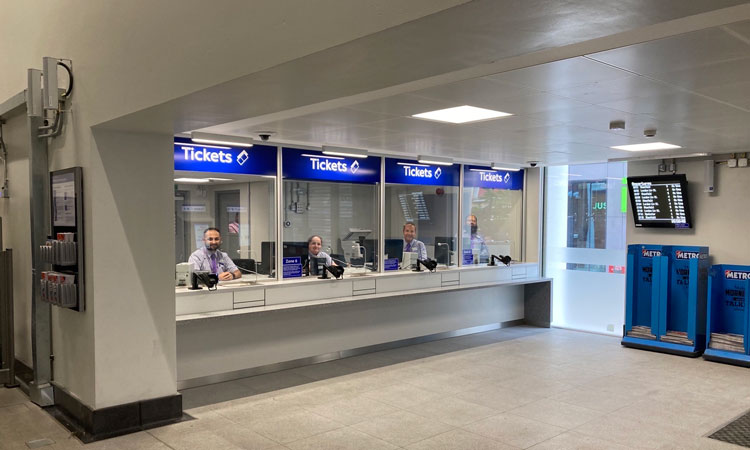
(40, 390)
(7, 347)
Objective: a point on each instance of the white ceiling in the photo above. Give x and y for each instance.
(693, 88)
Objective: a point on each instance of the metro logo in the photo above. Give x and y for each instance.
(438, 172)
(650, 253)
(736, 275)
(679, 254)
(206, 155)
(355, 166)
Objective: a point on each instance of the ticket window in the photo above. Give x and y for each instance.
(336, 199)
(426, 211)
(241, 207)
(232, 189)
(492, 214)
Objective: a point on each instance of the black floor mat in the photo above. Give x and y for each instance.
(736, 432)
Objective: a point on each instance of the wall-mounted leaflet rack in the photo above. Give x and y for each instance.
(63, 285)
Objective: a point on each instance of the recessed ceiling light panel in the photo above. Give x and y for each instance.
(646, 147)
(461, 114)
(191, 180)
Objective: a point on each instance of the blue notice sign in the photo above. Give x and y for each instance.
(314, 165)
(292, 267)
(255, 160)
(488, 178)
(390, 264)
(404, 171)
(468, 257)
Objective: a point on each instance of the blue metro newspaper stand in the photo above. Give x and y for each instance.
(728, 319)
(666, 299)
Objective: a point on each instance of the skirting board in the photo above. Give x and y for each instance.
(229, 376)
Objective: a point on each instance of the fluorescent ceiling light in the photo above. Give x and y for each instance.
(654, 157)
(340, 151)
(436, 160)
(506, 168)
(461, 114)
(646, 147)
(412, 164)
(192, 180)
(319, 156)
(220, 179)
(221, 147)
(209, 138)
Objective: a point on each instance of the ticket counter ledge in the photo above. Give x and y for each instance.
(292, 322)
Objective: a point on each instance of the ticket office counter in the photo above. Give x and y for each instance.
(241, 330)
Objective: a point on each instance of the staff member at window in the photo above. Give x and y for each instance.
(314, 244)
(211, 259)
(411, 244)
(476, 241)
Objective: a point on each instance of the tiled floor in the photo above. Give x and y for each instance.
(513, 388)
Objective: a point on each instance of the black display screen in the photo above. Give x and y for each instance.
(660, 201)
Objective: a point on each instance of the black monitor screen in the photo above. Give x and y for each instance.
(394, 248)
(660, 201)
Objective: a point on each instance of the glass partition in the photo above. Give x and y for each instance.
(240, 207)
(229, 191)
(421, 206)
(330, 213)
(492, 214)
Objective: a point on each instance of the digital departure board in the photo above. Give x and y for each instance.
(660, 201)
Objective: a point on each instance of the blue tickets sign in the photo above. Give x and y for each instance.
(488, 178)
(314, 165)
(390, 264)
(255, 160)
(292, 267)
(404, 171)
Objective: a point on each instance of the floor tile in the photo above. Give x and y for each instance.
(514, 430)
(498, 398)
(293, 426)
(452, 411)
(341, 439)
(353, 409)
(402, 428)
(401, 395)
(556, 413)
(575, 441)
(459, 440)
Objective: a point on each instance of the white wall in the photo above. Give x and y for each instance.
(720, 220)
(534, 211)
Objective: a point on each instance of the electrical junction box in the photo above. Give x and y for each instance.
(742, 162)
(732, 163)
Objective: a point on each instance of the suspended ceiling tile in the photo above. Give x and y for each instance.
(686, 51)
(709, 76)
(403, 105)
(608, 91)
(560, 74)
(478, 92)
(345, 117)
(741, 28)
(672, 107)
(737, 94)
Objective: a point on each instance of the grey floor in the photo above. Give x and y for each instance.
(513, 388)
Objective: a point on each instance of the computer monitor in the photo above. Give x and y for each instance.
(292, 248)
(267, 258)
(317, 265)
(394, 248)
(444, 245)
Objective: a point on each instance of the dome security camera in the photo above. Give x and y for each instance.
(265, 135)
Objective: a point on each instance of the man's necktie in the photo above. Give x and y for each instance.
(408, 247)
(213, 264)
